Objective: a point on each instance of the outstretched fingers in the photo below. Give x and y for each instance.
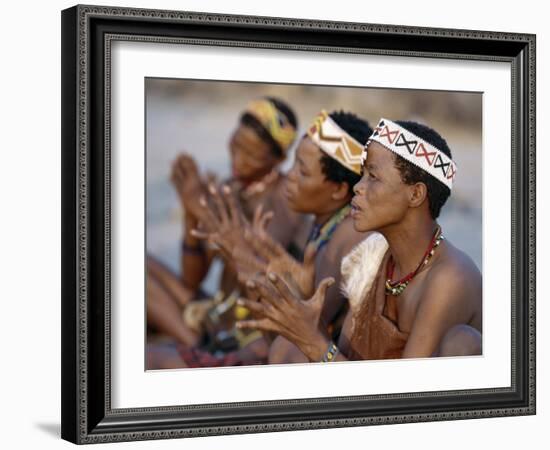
(263, 222)
(221, 210)
(321, 291)
(257, 246)
(247, 261)
(264, 324)
(210, 220)
(272, 247)
(251, 290)
(257, 215)
(235, 212)
(187, 165)
(267, 293)
(256, 308)
(199, 234)
(282, 287)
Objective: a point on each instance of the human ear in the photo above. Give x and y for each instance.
(341, 191)
(418, 192)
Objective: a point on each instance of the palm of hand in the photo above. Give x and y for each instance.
(188, 184)
(300, 276)
(283, 311)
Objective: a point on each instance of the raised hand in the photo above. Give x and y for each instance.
(282, 311)
(189, 185)
(222, 220)
(277, 259)
(247, 264)
(260, 221)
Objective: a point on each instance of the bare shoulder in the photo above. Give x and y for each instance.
(454, 264)
(454, 280)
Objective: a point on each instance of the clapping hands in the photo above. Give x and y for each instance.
(282, 311)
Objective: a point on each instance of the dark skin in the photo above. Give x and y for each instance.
(228, 227)
(191, 188)
(169, 282)
(263, 254)
(165, 314)
(167, 293)
(251, 159)
(308, 191)
(442, 304)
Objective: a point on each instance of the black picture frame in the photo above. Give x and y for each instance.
(87, 32)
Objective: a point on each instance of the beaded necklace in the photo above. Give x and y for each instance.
(320, 235)
(397, 287)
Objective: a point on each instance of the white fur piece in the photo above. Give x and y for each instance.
(359, 268)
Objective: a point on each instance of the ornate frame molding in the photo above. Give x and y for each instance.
(86, 421)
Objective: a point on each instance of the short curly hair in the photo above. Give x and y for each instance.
(438, 193)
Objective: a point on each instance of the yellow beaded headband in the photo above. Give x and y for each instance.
(336, 143)
(415, 150)
(275, 122)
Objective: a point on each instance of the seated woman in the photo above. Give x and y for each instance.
(326, 167)
(411, 293)
(258, 146)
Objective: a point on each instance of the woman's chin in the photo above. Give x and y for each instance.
(240, 177)
(358, 224)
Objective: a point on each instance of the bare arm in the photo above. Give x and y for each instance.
(190, 188)
(446, 301)
(195, 258)
(170, 282)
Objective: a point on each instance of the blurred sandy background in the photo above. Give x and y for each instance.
(199, 117)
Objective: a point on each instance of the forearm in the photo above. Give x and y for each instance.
(195, 261)
(194, 269)
(171, 282)
(317, 346)
(320, 348)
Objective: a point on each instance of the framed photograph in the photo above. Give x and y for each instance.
(282, 224)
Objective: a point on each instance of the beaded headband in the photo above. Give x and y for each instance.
(414, 149)
(336, 143)
(275, 122)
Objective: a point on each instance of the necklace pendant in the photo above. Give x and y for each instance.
(396, 288)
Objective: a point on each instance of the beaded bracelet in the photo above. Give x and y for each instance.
(330, 354)
(197, 249)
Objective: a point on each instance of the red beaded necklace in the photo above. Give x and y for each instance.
(397, 287)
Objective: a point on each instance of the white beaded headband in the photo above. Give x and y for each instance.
(335, 142)
(414, 149)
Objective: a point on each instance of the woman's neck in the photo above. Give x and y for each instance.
(408, 243)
